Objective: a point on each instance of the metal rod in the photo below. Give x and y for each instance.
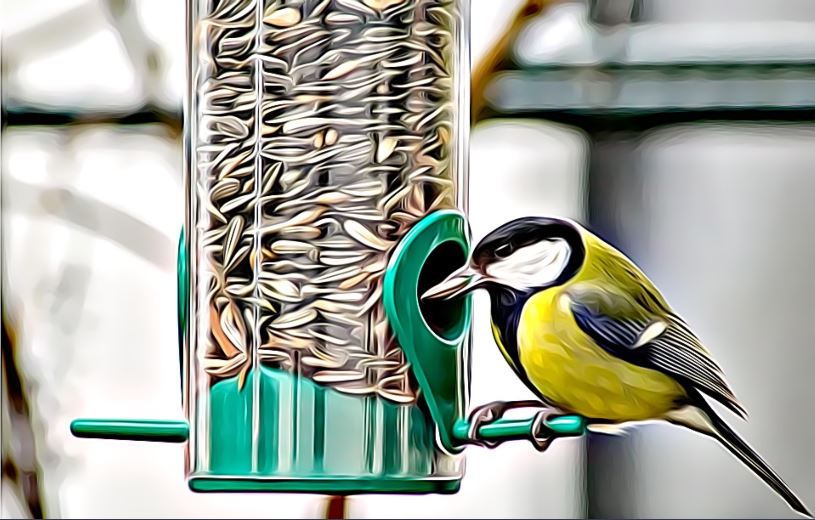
(336, 507)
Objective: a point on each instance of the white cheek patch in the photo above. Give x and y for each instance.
(532, 266)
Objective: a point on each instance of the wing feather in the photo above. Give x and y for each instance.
(620, 324)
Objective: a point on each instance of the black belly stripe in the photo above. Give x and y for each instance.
(506, 315)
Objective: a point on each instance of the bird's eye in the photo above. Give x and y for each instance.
(503, 251)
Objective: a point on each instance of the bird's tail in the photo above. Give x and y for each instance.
(704, 419)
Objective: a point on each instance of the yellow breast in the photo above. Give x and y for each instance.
(571, 371)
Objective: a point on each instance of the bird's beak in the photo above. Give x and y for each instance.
(460, 282)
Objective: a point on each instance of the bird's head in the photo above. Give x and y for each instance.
(521, 256)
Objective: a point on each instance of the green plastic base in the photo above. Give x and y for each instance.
(326, 485)
(310, 432)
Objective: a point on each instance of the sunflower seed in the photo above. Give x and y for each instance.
(233, 234)
(293, 320)
(381, 5)
(285, 17)
(338, 376)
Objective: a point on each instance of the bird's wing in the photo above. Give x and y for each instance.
(659, 341)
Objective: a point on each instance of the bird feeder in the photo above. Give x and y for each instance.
(327, 188)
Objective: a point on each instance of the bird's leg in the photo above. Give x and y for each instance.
(540, 436)
(491, 412)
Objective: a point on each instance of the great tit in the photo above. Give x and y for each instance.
(590, 334)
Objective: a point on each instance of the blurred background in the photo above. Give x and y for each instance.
(683, 132)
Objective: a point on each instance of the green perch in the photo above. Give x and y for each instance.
(131, 430)
(178, 431)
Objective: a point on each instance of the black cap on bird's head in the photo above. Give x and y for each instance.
(523, 255)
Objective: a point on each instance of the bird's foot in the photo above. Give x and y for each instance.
(480, 416)
(541, 436)
(491, 412)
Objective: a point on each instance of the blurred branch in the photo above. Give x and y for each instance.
(48, 32)
(144, 54)
(32, 116)
(65, 27)
(96, 217)
(20, 467)
(500, 53)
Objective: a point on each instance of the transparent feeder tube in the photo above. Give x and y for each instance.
(321, 131)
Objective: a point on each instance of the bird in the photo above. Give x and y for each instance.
(588, 333)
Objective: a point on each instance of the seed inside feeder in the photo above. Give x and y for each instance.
(306, 186)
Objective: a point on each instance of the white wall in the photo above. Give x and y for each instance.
(720, 217)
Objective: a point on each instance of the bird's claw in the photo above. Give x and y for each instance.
(540, 435)
(480, 416)
(491, 412)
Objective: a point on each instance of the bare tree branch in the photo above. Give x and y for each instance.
(499, 53)
(20, 467)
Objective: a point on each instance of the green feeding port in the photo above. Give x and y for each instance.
(432, 335)
(446, 319)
